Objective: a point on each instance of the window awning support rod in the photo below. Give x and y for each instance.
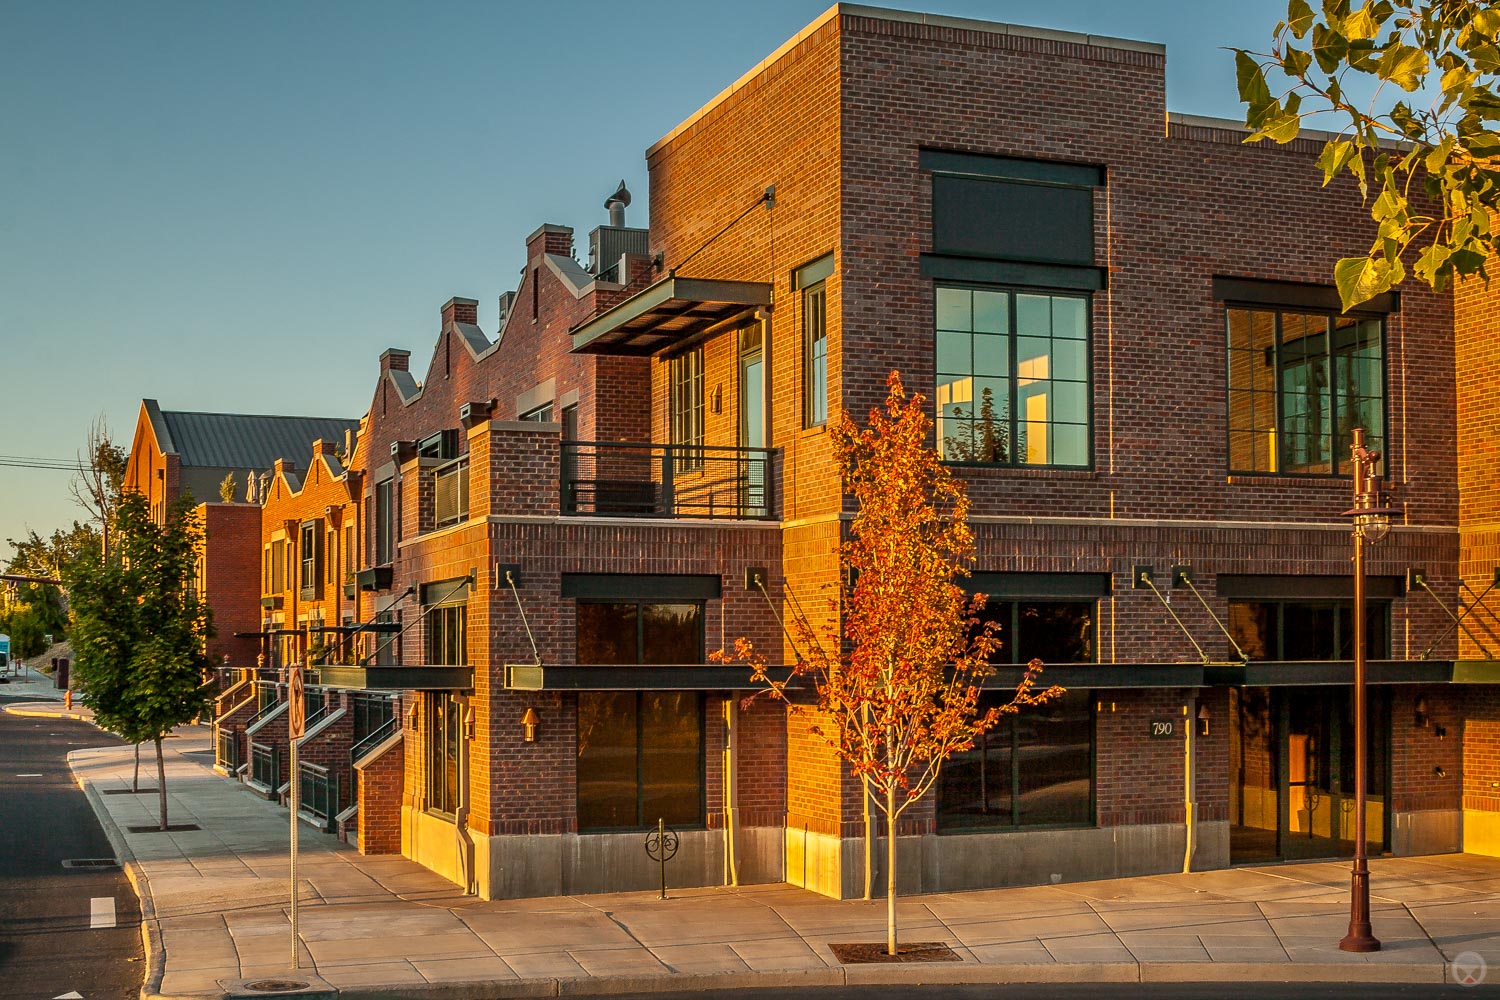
(510, 579)
(465, 582)
(1458, 620)
(350, 636)
(767, 199)
(1188, 582)
(1144, 580)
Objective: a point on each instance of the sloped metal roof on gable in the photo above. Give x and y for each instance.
(249, 441)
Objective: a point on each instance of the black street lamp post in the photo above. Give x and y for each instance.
(1372, 519)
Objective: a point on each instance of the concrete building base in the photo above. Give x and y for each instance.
(956, 862)
(1431, 831)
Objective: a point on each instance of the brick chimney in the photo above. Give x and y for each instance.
(321, 447)
(551, 239)
(457, 310)
(393, 359)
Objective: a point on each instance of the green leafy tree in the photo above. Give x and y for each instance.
(28, 635)
(226, 488)
(139, 627)
(1433, 156)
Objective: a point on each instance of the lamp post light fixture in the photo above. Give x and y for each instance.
(1372, 520)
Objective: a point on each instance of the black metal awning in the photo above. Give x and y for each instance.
(381, 627)
(646, 677)
(1300, 673)
(671, 314)
(1104, 675)
(398, 678)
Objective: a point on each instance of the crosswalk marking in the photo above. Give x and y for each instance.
(101, 912)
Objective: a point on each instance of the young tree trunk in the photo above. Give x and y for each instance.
(864, 790)
(135, 782)
(890, 870)
(161, 785)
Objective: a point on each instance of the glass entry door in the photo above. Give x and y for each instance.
(1292, 773)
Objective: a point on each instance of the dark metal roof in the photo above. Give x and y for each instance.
(248, 440)
(668, 315)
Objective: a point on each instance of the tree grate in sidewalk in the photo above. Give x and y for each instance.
(172, 828)
(916, 951)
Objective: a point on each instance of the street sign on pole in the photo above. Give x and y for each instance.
(296, 708)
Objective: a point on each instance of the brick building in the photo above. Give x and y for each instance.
(1124, 322)
(177, 452)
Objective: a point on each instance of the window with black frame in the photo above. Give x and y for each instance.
(1034, 769)
(447, 639)
(1013, 383)
(641, 632)
(443, 745)
(640, 759)
(810, 280)
(388, 643)
(1307, 630)
(307, 552)
(1299, 383)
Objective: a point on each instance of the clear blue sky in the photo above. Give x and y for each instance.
(237, 206)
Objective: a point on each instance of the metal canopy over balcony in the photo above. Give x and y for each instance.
(398, 678)
(667, 315)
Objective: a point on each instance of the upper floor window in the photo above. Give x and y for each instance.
(687, 402)
(623, 632)
(308, 541)
(383, 524)
(542, 414)
(1013, 377)
(810, 280)
(1299, 383)
(1308, 630)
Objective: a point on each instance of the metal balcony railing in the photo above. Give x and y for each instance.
(265, 695)
(627, 479)
(316, 714)
(227, 748)
(376, 737)
(258, 716)
(318, 792)
(265, 766)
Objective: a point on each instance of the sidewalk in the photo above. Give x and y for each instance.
(33, 685)
(215, 905)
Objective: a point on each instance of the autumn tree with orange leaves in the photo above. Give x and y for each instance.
(897, 690)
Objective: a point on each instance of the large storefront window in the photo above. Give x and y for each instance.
(1307, 630)
(1012, 377)
(622, 632)
(1299, 383)
(640, 759)
(444, 743)
(1034, 769)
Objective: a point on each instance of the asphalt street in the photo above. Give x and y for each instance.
(1113, 991)
(62, 930)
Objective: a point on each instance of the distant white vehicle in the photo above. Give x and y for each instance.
(4, 650)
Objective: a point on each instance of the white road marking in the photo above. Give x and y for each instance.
(70, 995)
(28, 775)
(101, 912)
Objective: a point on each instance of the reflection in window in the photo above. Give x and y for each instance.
(447, 642)
(640, 759)
(1051, 631)
(1299, 383)
(1012, 377)
(442, 749)
(639, 632)
(1306, 631)
(1033, 769)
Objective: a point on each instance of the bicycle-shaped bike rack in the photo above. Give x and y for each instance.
(661, 847)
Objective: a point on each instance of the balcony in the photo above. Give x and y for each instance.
(450, 488)
(628, 479)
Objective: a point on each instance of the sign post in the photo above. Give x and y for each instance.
(296, 715)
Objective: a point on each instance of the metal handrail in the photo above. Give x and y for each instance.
(264, 713)
(264, 759)
(318, 716)
(319, 792)
(370, 742)
(228, 756)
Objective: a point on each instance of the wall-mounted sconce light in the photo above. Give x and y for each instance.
(1438, 772)
(718, 400)
(1202, 719)
(1101, 705)
(411, 718)
(469, 722)
(1420, 719)
(529, 723)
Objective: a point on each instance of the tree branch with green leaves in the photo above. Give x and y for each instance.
(1432, 156)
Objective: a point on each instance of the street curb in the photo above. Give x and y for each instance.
(151, 943)
(27, 713)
